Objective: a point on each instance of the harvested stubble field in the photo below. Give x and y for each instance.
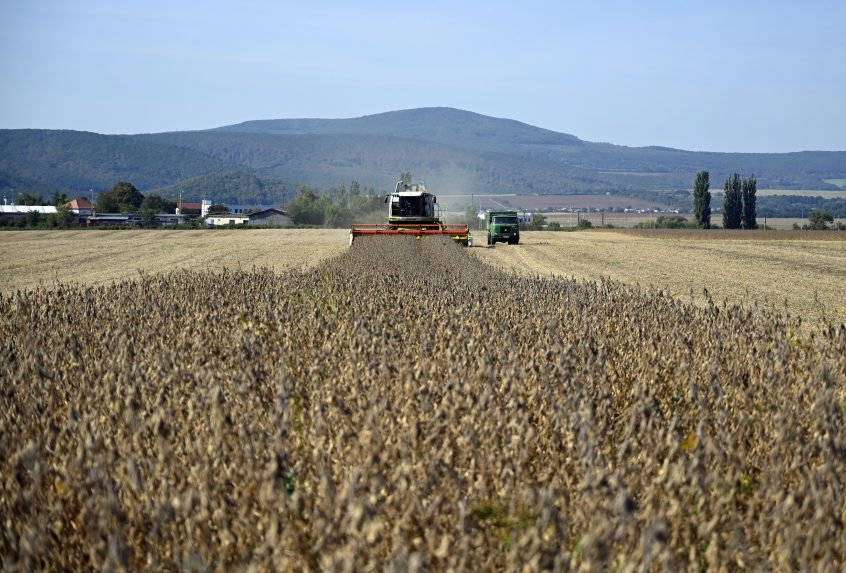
(405, 407)
(801, 272)
(92, 257)
(632, 220)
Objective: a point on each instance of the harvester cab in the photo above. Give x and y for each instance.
(411, 204)
(412, 211)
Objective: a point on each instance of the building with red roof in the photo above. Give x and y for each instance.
(81, 206)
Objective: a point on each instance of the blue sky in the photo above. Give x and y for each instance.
(718, 75)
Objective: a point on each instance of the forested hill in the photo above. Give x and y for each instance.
(454, 151)
(43, 161)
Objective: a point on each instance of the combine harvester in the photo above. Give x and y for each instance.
(411, 211)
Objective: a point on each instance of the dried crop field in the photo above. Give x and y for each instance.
(803, 272)
(93, 257)
(405, 407)
(631, 220)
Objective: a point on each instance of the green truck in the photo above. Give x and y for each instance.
(503, 227)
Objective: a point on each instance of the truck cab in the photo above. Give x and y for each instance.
(503, 227)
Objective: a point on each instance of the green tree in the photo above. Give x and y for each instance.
(342, 199)
(29, 199)
(218, 209)
(732, 202)
(537, 224)
(702, 200)
(554, 226)
(63, 217)
(336, 215)
(308, 208)
(59, 199)
(363, 204)
(750, 189)
(148, 217)
(158, 204)
(33, 218)
(123, 197)
(819, 220)
(106, 203)
(670, 222)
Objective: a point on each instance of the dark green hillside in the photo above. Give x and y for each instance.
(75, 161)
(12, 185)
(232, 187)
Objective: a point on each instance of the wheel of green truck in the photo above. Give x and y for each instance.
(351, 238)
(490, 240)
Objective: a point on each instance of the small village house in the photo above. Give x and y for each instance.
(81, 207)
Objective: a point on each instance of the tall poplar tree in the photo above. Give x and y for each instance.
(732, 202)
(702, 200)
(750, 188)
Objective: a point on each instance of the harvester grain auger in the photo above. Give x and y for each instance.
(411, 211)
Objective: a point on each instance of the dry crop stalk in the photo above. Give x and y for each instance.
(405, 406)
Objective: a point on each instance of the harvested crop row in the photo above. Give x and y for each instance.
(406, 407)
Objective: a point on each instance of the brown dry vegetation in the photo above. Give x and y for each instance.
(92, 257)
(801, 272)
(405, 407)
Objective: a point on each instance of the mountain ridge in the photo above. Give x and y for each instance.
(455, 151)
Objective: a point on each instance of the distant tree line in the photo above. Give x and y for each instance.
(740, 206)
(30, 199)
(124, 197)
(669, 222)
(340, 207)
(797, 206)
(61, 219)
